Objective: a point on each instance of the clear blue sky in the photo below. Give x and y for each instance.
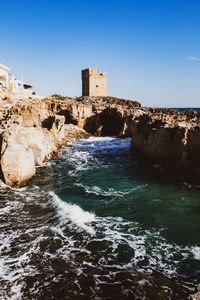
(150, 49)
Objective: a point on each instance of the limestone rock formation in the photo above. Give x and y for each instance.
(32, 129)
(97, 115)
(17, 160)
(24, 147)
(158, 135)
(168, 137)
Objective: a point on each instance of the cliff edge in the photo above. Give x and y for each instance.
(33, 129)
(169, 137)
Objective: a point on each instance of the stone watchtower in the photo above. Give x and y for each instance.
(93, 83)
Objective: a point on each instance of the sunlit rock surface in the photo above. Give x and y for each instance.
(158, 135)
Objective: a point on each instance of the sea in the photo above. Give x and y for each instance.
(94, 223)
(187, 108)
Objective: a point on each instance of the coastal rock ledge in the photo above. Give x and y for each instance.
(25, 147)
(168, 137)
(32, 130)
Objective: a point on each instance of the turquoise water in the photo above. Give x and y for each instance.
(96, 224)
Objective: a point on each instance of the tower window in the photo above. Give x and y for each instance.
(97, 86)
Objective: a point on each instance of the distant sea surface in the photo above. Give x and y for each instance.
(96, 224)
(186, 108)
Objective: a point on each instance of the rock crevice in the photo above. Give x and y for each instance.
(32, 130)
(169, 138)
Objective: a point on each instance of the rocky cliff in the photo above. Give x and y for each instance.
(168, 137)
(32, 130)
(100, 116)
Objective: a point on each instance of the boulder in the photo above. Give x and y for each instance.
(24, 147)
(17, 160)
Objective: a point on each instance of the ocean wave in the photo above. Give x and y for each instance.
(43, 237)
(74, 213)
(146, 245)
(196, 252)
(120, 246)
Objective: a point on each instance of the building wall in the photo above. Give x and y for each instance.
(10, 84)
(3, 76)
(3, 72)
(93, 83)
(85, 82)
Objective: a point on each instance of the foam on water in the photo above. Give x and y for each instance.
(107, 192)
(109, 230)
(74, 213)
(46, 239)
(196, 252)
(148, 245)
(78, 161)
(99, 139)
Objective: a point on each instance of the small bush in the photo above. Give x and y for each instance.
(58, 96)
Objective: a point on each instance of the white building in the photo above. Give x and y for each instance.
(9, 83)
(3, 76)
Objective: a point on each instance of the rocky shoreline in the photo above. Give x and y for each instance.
(168, 137)
(33, 129)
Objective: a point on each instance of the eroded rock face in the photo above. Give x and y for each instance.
(107, 123)
(99, 116)
(159, 135)
(24, 147)
(18, 166)
(40, 142)
(17, 160)
(156, 142)
(171, 139)
(84, 112)
(34, 129)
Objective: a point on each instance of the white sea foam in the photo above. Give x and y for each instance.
(104, 144)
(107, 192)
(112, 231)
(77, 160)
(196, 252)
(105, 138)
(74, 213)
(149, 250)
(148, 245)
(16, 292)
